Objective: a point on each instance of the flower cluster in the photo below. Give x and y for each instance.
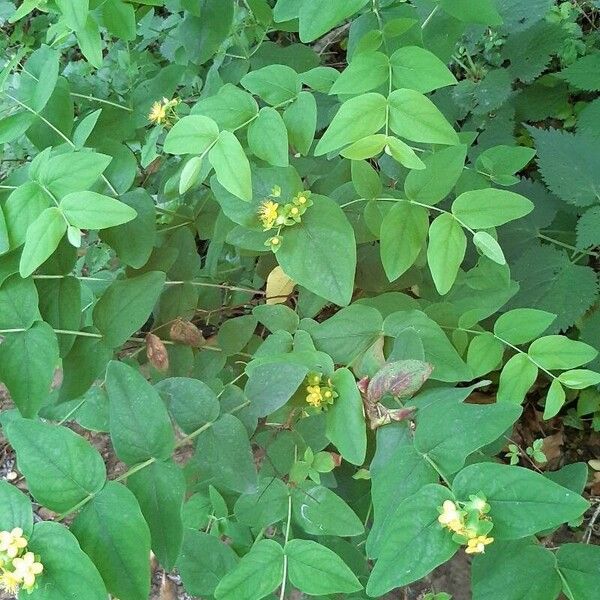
(163, 112)
(469, 524)
(274, 215)
(18, 567)
(319, 394)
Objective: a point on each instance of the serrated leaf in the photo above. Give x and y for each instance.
(583, 73)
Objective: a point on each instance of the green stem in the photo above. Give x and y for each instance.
(94, 99)
(286, 539)
(436, 469)
(546, 238)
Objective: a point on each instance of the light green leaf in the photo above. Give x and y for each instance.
(446, 251)
(579, 379)
(90, 43)
(317, 18)
(18, 303)
(484, 354)
(522, 325)
(275, 84)
(483, 12)
(579, 566)
(112, 532)
(61, 467)
(366, 72)
(264, 507)
(317, 570)
(231, 166)
(89, 210)
(403, 235)
(230, 107)
(403, 153)
(15, 509)
(366, 148)
(522, 501)
(418, 69)
(268, 138)
(257, 574)
(517, 377)
(346, 428)
(356, 119)
(300, 119)
(555, 399)
(489, 247)
(126, 305)
(140, 427)
(481, 209)
(192, 134)
(414, 117)
(74, 12)
(42, 239)
(560, 352)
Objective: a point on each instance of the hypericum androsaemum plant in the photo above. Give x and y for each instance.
(270, 248)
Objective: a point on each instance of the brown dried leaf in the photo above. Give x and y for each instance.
(279, 286)
(185, 332)
(157, 353)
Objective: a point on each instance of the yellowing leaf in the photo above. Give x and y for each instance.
(279, 286)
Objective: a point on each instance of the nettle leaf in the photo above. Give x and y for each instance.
(89, 210)
(418, 69)
(317, 19)
(578, 565)
(192, 134)
(366, 72)
(356, 119)
(140, 427)
(15, 509)
(126, 305)
(522, 501)
(317, 570)
(588, 228)
(231, 166)
(27, 363)
(414, 117)
(268, 138)
(414, 523)
(112, 532)
(320, 252)
(61, 467)
(68, 571)
(482, 209)
(256, 575)
(583, 73)
(446, 251)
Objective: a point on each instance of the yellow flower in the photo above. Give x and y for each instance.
(12, 542)
(476, 545)
(9, 582)
(158, 113)
(26, 569)
(267, 213)
(450, 516)
(314, 379)
(314, 398)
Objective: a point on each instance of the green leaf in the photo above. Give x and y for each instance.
(317, 19)
(522, 501)
(192, 134)
(27, 362)
(276, 317)
(160, 489)
(441, 173)
(266, 506)
(528, 566)
(418, 69)
(317, 570)
(18, 303)
(489, 247)
(89, 210)
(4, 241)
(320, 252)
(583, 73)
(588, 228)
(300, 119)
(414, 117)
(366, 179)
(368, 147)
(446, 251)
(126, 305)
(74, 12)
(366, 72)
(522, 325)
(481, 209)
(501, 162)
(257, 574)
(403, 235)
(140, 427)
(348, 333)
(191, 402)
(268, 138)
(61, 467)
(484, 12)
(439, 427)
(235, 333)
(579, 379)
(112, 532)
(271, 385)
(203, 562)
(517, 377)
(224, 458)
(90, 42)
(403, 154)
(231, 166)
(230, 107)
(15, 509)
(356, 119)
(439, 351)
(346, 427)
(560, 352)
(68, 572)
(579, 566)
(275, 84)
(42, 239)
(119, 18)
(413, 525)
(319, 511)
(485, 354)
(555, 399)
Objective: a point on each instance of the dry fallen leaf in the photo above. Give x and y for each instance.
(279, 286)
(157, 352)
(185, 332)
